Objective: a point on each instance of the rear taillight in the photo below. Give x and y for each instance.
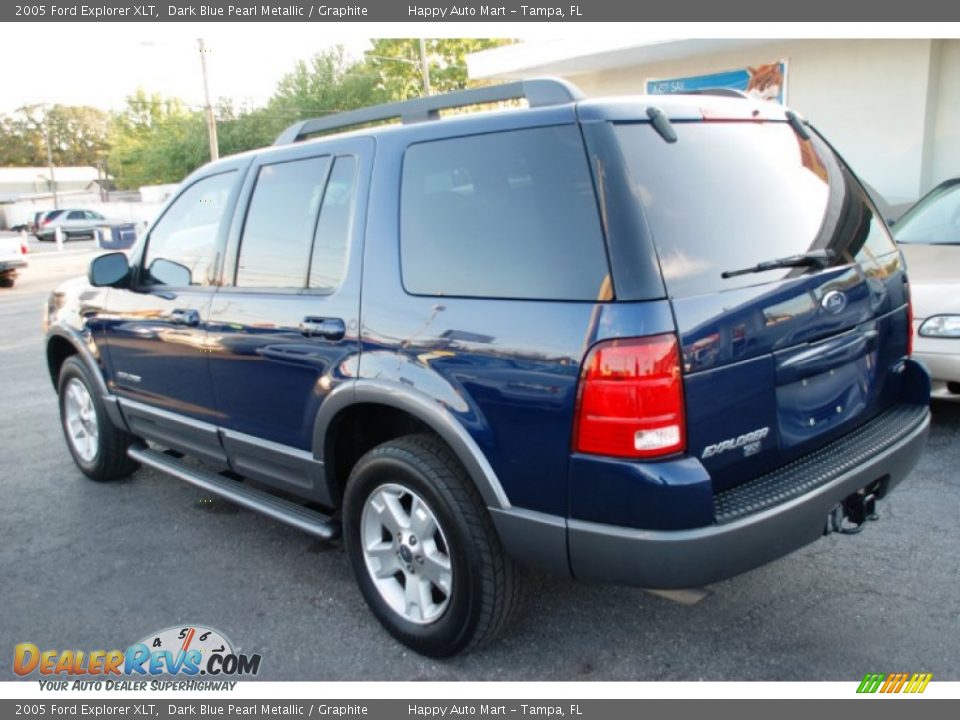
(23, 248)
(630, 399)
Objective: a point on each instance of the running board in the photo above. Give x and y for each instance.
(298, 516)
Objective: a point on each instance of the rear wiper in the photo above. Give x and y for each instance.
(814, 258)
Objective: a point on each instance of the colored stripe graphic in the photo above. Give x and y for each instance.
(894, 683)
(870, 683)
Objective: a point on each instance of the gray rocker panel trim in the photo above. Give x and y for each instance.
(428, 411)
(279, 465)
(193, 437)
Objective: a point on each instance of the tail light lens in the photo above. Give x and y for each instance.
(23, 248)
(630, 399)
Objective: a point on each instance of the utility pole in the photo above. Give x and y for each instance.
(424, 68)
(46, 139)
(211, 120)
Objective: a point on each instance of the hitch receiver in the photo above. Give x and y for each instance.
(856, 509)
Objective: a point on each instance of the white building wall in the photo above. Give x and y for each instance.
(945, 158)
(869, 97)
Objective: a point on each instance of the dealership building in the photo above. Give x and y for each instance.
(891, 107)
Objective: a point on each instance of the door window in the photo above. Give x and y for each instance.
(186, 235)
(333, 229)
(280, 225)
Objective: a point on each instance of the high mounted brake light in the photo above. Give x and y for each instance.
(630, 399)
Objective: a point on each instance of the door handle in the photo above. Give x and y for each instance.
(329, 328)
(185, 317)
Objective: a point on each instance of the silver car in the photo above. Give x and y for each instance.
(73, 222)
(929, 237)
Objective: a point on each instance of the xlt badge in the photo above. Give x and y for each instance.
(750, 442)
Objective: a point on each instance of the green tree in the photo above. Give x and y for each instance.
(396, 61)
(156, 140)
(327, 83)
(78, 135)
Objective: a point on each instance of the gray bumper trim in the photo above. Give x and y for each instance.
(533, 538)
(692, 558)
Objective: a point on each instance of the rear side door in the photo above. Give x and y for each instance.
(286, 318)
(155, 330)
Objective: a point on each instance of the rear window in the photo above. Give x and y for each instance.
(729, 195)
(503, 215)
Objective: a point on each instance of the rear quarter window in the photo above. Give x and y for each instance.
(503, 215)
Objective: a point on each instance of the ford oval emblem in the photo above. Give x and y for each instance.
(834, 302)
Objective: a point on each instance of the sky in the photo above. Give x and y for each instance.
(100, 64)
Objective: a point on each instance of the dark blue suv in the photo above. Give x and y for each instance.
(654, 341)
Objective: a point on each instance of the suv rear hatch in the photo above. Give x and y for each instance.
(780, 361)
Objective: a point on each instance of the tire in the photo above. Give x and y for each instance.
(483, 591)
(7, 281)
(103, 457)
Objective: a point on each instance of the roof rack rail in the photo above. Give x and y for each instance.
(539, 92)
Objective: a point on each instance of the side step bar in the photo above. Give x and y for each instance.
(309, 521)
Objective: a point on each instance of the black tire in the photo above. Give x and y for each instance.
(486, 583)
(110, 461)
(7, 281)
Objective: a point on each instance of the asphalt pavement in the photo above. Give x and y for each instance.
(99, 566)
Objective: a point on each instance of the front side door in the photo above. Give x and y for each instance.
(75, 222)
(156, 329)
(285, 321)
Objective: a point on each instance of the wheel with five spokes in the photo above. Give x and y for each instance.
(424, 550)
(98, 447)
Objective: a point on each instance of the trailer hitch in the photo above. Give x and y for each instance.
(849, 516)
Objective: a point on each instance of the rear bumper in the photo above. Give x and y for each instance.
(8, 266)
(755, 523)
(690, 558)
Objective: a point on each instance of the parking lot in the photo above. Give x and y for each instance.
(91, 566)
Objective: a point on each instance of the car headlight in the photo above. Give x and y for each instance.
(942, 326)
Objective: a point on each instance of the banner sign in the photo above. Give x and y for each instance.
(761, 82)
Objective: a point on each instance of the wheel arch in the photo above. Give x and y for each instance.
(62, 344)
(403, 409)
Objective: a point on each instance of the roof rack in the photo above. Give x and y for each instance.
(538, 92)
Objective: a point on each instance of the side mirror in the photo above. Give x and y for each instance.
(109, 270)
(168, 272)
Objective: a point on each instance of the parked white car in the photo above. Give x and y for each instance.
(929, 237)
(73, 222)
(13, 258)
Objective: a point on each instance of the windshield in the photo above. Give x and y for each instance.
(731, 195)
(935, 220)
